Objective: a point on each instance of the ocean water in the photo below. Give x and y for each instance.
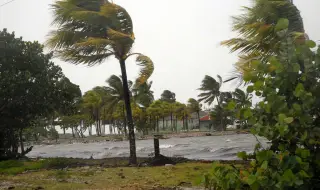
(203, 148)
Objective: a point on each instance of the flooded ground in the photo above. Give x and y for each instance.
(206, 148)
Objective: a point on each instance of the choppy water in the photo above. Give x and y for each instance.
(206, 148)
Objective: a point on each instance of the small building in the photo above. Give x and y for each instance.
(206, 123)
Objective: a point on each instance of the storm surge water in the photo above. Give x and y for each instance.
(202, 148)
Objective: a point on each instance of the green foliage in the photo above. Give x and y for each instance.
(210, 89)
(168, 96)
(34, 89)
(288, 117)
(259, 27)
(194, 106)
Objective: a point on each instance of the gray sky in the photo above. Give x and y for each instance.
(181, 37)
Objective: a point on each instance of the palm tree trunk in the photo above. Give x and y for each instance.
(187, 121)
(90, 130)
(171, 122)
(125, 122)
(21, 141)
(132, 140)
(198, 112)
(183, 123)
(157, 125)
(163, 123)
(72, 132)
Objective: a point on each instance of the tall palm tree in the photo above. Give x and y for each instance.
(194, 106)
(116, 95)
(143, 94)
(258, 38)
(168, 96)
(241, 98)
(211, 89)
(92, 102)
(89, 31)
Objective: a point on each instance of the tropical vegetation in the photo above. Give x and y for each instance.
(278, 64)
(285, 78)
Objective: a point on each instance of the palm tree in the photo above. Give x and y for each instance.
(116, 95)
(155, 113)
(194, 106)
(92, 102)
(143, 94)
(241, 98)
(91, 31)
(211, 89)
(258, 38)
(168, 96)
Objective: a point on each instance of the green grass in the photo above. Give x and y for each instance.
(13, 167)
(94, 177)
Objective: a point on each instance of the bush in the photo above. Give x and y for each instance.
(288, 116)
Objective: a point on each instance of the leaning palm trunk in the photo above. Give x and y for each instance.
(125, 119)
(126, 94)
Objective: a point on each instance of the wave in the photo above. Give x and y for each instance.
(114, 148)
(166, 146)
(173, 145)
(181, 145)
(143, 149)
(219, 150)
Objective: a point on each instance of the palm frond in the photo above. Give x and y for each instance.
(88, 57)
(220, 80)
(147, 68)
(256, 29)
(90, 31)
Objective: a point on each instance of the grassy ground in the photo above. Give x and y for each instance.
(96, 177)
(110, 173)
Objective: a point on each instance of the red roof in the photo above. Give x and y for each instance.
(205, 118)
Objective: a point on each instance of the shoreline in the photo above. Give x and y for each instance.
(116, 138)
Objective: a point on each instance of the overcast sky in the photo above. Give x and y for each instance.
(181, 37)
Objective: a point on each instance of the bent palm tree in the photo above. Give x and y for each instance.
(194, 106)
(211, 89)
(257, 36)
(89, 31)
(143, 94)
(241, 98)
(115, 94)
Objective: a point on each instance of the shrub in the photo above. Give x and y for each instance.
(288, 116)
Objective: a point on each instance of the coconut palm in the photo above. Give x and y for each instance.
(211, 89)
(241, 98)
(116, 95)
(92, 103)
(168, 96)
(194, 106)
(88, 32)
(143, 94)
(258, 38)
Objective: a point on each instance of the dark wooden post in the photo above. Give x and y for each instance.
(156, 146)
